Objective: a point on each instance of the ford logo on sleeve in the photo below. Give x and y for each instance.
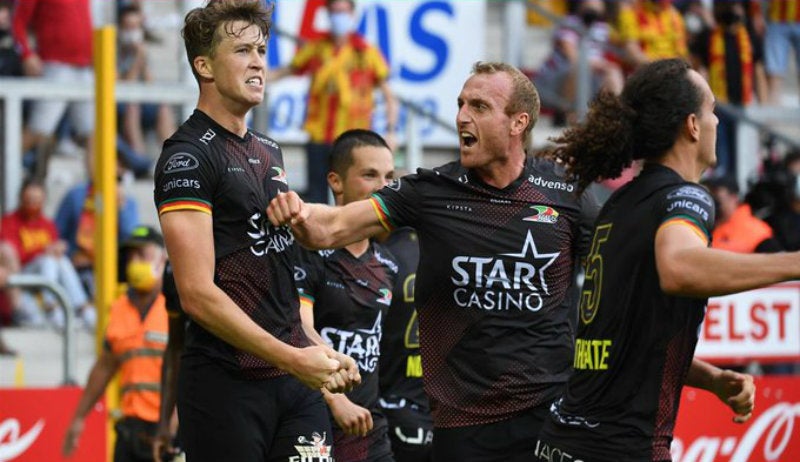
(181, 162)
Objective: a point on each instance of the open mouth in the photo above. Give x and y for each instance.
(254, 82)
(468, 139)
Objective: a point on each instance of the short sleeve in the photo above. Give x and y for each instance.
(689, 205)
(378, 64)
(184, 180)
(398, 203)
(301, 62)
(309, 272)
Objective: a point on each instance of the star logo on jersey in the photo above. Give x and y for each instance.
(542, 214)
(363, 345)
(385, 298)
(548, 258)
(281, 175)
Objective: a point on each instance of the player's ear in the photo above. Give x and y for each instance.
(336, 183)
(519, 123)
(693, 127)
(202, 65)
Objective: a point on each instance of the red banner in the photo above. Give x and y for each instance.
(705, 431)
(33, 423)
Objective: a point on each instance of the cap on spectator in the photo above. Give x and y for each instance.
(142, 235)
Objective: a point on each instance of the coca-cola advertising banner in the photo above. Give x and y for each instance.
(761, 324)
(33, 423)
(705, 431)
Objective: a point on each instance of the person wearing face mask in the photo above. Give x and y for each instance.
(132, 66)
(135, 340)
(725, 56)
(345, 70)
(556, 80)
(37, 248)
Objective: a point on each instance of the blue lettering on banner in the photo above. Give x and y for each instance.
(426, 39)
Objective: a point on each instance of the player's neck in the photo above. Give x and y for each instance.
(227, 114)
(685, 163)
(502, 172)
(357, 249)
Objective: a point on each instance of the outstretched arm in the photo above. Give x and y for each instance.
(318, 226)
(686, 266)
(732, 388)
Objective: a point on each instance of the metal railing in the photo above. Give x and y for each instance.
(33, 281)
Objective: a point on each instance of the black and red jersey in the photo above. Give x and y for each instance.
(206, 168)
(634, 343)
(350, 297)
(491, 286)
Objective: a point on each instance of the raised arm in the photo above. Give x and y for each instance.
(318, 226)
(686, 266)
(189, 239)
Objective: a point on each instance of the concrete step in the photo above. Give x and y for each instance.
(39, 360)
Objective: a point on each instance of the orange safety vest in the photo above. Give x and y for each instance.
(139, 345)
(742, 232)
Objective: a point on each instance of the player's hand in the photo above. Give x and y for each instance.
(287, 209)
(351, 418)
(315, 366)
(347, 377)
(162, 443)
(737, 391)
(71, 438)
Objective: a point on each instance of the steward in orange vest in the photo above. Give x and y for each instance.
(136, 337)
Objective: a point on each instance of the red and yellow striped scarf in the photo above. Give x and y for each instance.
(717, 78)
(784, 11)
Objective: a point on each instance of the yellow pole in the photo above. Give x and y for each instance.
(105, 190)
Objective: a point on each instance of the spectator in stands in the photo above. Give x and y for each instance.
(724, 55)
(10, 60)
(557, 80)
(75, 220)
(345, 70)
(39, 250)
(785, 219)
(736, 228)
(782, 34)
(650, 29)
(132, 66)
(63, 35)
(5, 350)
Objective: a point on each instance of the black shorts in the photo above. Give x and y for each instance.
(410, 430)
(226, 417)
(510, 440)
(374, 447)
